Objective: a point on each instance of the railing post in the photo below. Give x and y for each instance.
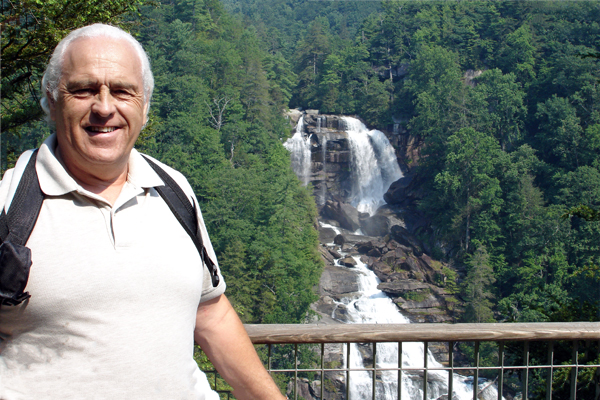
(374, 369)
(550, 374)
(322, 369)
(399, 370)
(598, 376)
(574, 370)
(348, 371)
(451, 370)
(501, 376)
(476, 374)
(525, 375)
(425, 351)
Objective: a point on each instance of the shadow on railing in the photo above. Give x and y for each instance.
(428, 361)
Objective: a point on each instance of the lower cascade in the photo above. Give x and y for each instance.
(375, 307)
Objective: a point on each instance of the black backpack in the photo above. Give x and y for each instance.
(16, 227)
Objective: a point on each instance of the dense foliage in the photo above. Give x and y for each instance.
(218, 118)
(504, 97)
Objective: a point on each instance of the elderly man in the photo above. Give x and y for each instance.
(118, 289)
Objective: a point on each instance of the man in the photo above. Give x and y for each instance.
(118, 291)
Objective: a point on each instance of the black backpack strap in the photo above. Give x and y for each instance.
(16, 226)
(185, 213)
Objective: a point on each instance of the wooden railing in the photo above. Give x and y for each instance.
(530, 358)
(368, 333)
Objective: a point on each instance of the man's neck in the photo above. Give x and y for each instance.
(108, 186)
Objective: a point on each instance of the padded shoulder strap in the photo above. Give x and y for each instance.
(17, 225)
(185, 213)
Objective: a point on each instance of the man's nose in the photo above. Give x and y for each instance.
(104, 104)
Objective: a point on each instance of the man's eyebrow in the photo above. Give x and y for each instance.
(74, 85)
(124, 85)
(80, 84)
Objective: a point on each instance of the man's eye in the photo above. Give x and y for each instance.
(121, 93)
(83, 92)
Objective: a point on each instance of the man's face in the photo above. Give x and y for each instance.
(100, 110)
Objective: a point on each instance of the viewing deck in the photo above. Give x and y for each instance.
(526, 360)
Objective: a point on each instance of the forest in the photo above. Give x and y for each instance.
(503, 98)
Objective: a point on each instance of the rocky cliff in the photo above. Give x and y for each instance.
(388, 243)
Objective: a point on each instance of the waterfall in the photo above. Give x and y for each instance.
(300, 152)
(323, 198)
(374, 165)
(374, 306)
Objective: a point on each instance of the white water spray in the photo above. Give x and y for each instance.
(300, 152)
(375, 307)
(374, 165)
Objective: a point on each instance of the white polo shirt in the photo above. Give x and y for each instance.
(114, 293)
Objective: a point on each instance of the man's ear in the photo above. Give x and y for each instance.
(146, 108)
(51, 106)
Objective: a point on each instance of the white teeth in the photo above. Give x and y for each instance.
(101, 129)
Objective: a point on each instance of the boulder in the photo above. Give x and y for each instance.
(403, 236)
(378, 225)
(399, 288)
(405, 191)
(374, 253)
(348, 262)
(344, 213)
(335, 254)
(337, 281)
(364, 247)
(326, 235)
(339, 240)
(325, 253)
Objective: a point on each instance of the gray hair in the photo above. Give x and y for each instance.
(53, 72)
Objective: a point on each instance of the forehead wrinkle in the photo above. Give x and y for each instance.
(80, 83)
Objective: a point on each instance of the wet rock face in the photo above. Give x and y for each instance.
(345, 214)
(330, 157)
(388, 243)
(410, 277)
(378, 225)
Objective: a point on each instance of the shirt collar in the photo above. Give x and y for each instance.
(56, 181)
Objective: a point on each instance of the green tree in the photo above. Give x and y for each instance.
(310, 56)
(468, 196)
(518, 54)
(505, 106)
(477, 287)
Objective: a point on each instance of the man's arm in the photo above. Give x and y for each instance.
(223, 338)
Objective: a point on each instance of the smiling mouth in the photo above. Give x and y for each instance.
(101, 129)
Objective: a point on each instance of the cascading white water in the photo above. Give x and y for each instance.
(374, 168)
(300, 152)
(374, 306)
(323, 197)
(374, 165)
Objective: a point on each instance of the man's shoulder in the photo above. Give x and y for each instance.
(177, 176)
(11, 179)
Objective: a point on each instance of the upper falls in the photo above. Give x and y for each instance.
(343, 159)
(300, 149)
(374, 165)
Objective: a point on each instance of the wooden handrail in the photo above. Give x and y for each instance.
(366, 333)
